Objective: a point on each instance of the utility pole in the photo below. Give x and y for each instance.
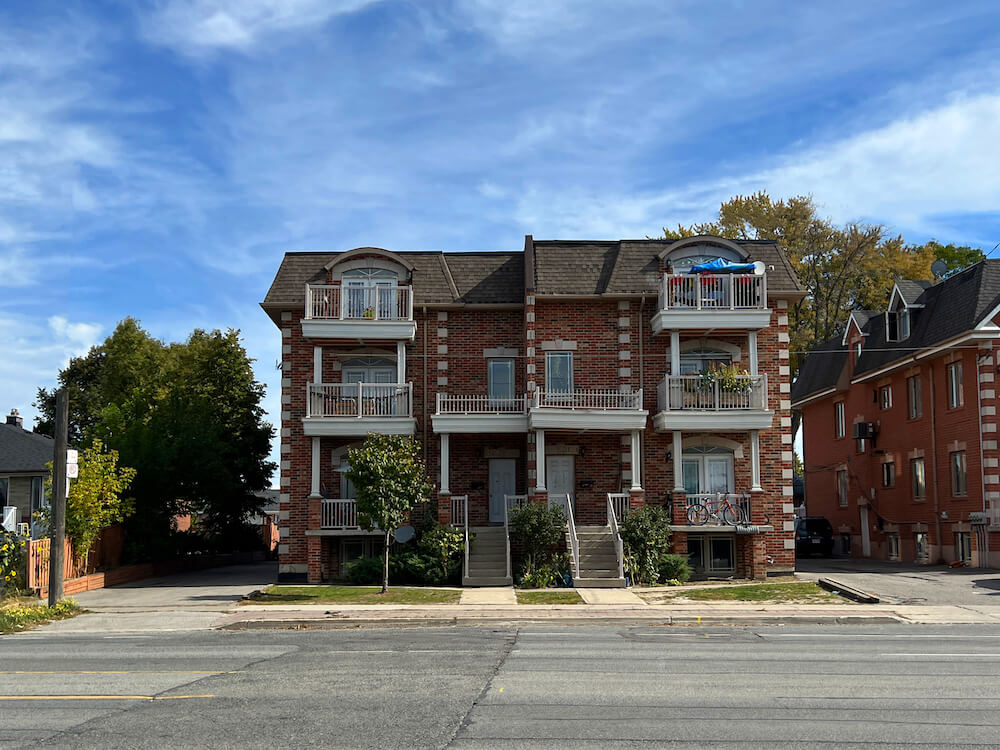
(57, 550)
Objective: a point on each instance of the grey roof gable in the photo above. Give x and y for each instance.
(23, 452)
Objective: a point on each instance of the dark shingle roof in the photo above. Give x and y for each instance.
(632, 266)
(23, 451)
(821, 369)
(949, 308)
(911, 289)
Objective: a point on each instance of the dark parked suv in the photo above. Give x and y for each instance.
(813, 534)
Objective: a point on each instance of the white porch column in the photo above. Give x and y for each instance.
(400, 362)
(678, 465)
(755, 462)
(636, 459)
(675, 352)
(540, 460)
(445, 463)
(317, 364)
(314, 491)
(752, 346)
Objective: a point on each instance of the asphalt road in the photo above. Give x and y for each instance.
(533, 687)
(908, 583)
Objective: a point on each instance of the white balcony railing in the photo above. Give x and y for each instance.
(698, 393)
(682, 291)
(330, 302)
(359, 400)
(479, 405)
(338, 514)
(618, 502)
(589, 400)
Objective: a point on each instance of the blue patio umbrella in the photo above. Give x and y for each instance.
(720, 265)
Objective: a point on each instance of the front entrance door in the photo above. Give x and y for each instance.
(559, 475)
(503, 476)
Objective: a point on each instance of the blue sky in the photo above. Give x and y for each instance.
(156, 158)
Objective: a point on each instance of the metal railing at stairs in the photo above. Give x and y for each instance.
(464, 499)
(613, 523)
(566, 503)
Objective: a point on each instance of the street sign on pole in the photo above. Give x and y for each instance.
(72, 471)
(72, 456)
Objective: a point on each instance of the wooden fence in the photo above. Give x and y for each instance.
(38, 563)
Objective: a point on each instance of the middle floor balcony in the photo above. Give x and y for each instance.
(356, 409)
(480, 414)
(707, 402)
(587, 410)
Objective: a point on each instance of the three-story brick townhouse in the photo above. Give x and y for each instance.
(597, 375)
(900, 424)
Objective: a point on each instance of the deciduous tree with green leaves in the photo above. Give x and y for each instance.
(390, 479)
(95, 497)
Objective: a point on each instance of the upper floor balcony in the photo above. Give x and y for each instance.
(356, 409)
(587, 410)
(710, 401)
(373, 312)
(480, 414)
(719, 301)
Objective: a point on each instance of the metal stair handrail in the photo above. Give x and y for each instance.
(619, 546)
(574, 542)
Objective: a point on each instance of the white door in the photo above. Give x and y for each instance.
(559, 475)
(503, 475)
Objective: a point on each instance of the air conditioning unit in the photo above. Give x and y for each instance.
(864, 431)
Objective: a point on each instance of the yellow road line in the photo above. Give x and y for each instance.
(120, 671)
(101, 697)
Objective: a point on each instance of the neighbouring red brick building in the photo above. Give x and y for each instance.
(598, 375)
(900, 424)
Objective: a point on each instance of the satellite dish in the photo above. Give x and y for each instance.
(758, 268)
(939, 268)
(404, 534)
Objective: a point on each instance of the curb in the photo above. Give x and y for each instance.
(848, 592)
(671, 621)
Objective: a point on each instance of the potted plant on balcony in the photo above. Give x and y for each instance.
(368, 313)
(729, 378)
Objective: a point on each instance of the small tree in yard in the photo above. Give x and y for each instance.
(95, 497)
(646, 537)
(538, 529)
(390, 479)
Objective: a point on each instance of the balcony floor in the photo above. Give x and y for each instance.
(357, 426)
(730, 420)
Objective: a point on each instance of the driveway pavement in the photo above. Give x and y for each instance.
(908, 583)
(186, 601)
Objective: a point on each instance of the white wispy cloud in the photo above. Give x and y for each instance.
(16, 268)
(201, 27)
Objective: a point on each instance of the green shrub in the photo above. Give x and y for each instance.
(537, 529)
(444, 544)
(645, 535)
(674, 568)
(366, 571)
(541, 577)
(406, 568)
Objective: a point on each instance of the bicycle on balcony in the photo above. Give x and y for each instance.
(720, 510)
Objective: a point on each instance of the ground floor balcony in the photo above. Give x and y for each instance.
(587, 410)
(356, 409)
(339, 517)
(709, 402)
(480, 414)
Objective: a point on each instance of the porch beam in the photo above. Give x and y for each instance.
(678, 450)
(540, 460)
(317, 364)
(314, 491)
(400, 362)
(752, 347)
(675, 352)
(755, 462)
(445, 463)
(635, 457)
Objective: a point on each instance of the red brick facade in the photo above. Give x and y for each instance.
(883, 514)
(613, 349)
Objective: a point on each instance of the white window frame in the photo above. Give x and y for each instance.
(914, 396)
(549, 359)
(892, 541)
(885, 397)
(959, 474)
(921, 541)
(956, 395)
(702, 460)
(914, 463)
(494, 362)
(963, 546)
(842, 488)
(888, 473)
(839, 422)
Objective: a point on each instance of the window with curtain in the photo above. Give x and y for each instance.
(501, 377)
(559, 372)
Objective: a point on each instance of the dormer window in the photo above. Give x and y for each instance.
(897, 324)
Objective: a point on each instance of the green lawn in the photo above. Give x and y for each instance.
(798, 592)
(548, 596)
(353, 595)
(19, 614)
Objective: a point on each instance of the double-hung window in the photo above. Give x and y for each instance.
(914, 408)
(888, 474)
(958, 476)
(838, 419)
(885, 397)
(918, 479)
(501, 377)
(955, 396)
(559, 372)
(842, 488)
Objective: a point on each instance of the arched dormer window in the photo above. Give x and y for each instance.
(690, 251)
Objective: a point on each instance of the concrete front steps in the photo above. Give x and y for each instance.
(487, 557)
(598, 559)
